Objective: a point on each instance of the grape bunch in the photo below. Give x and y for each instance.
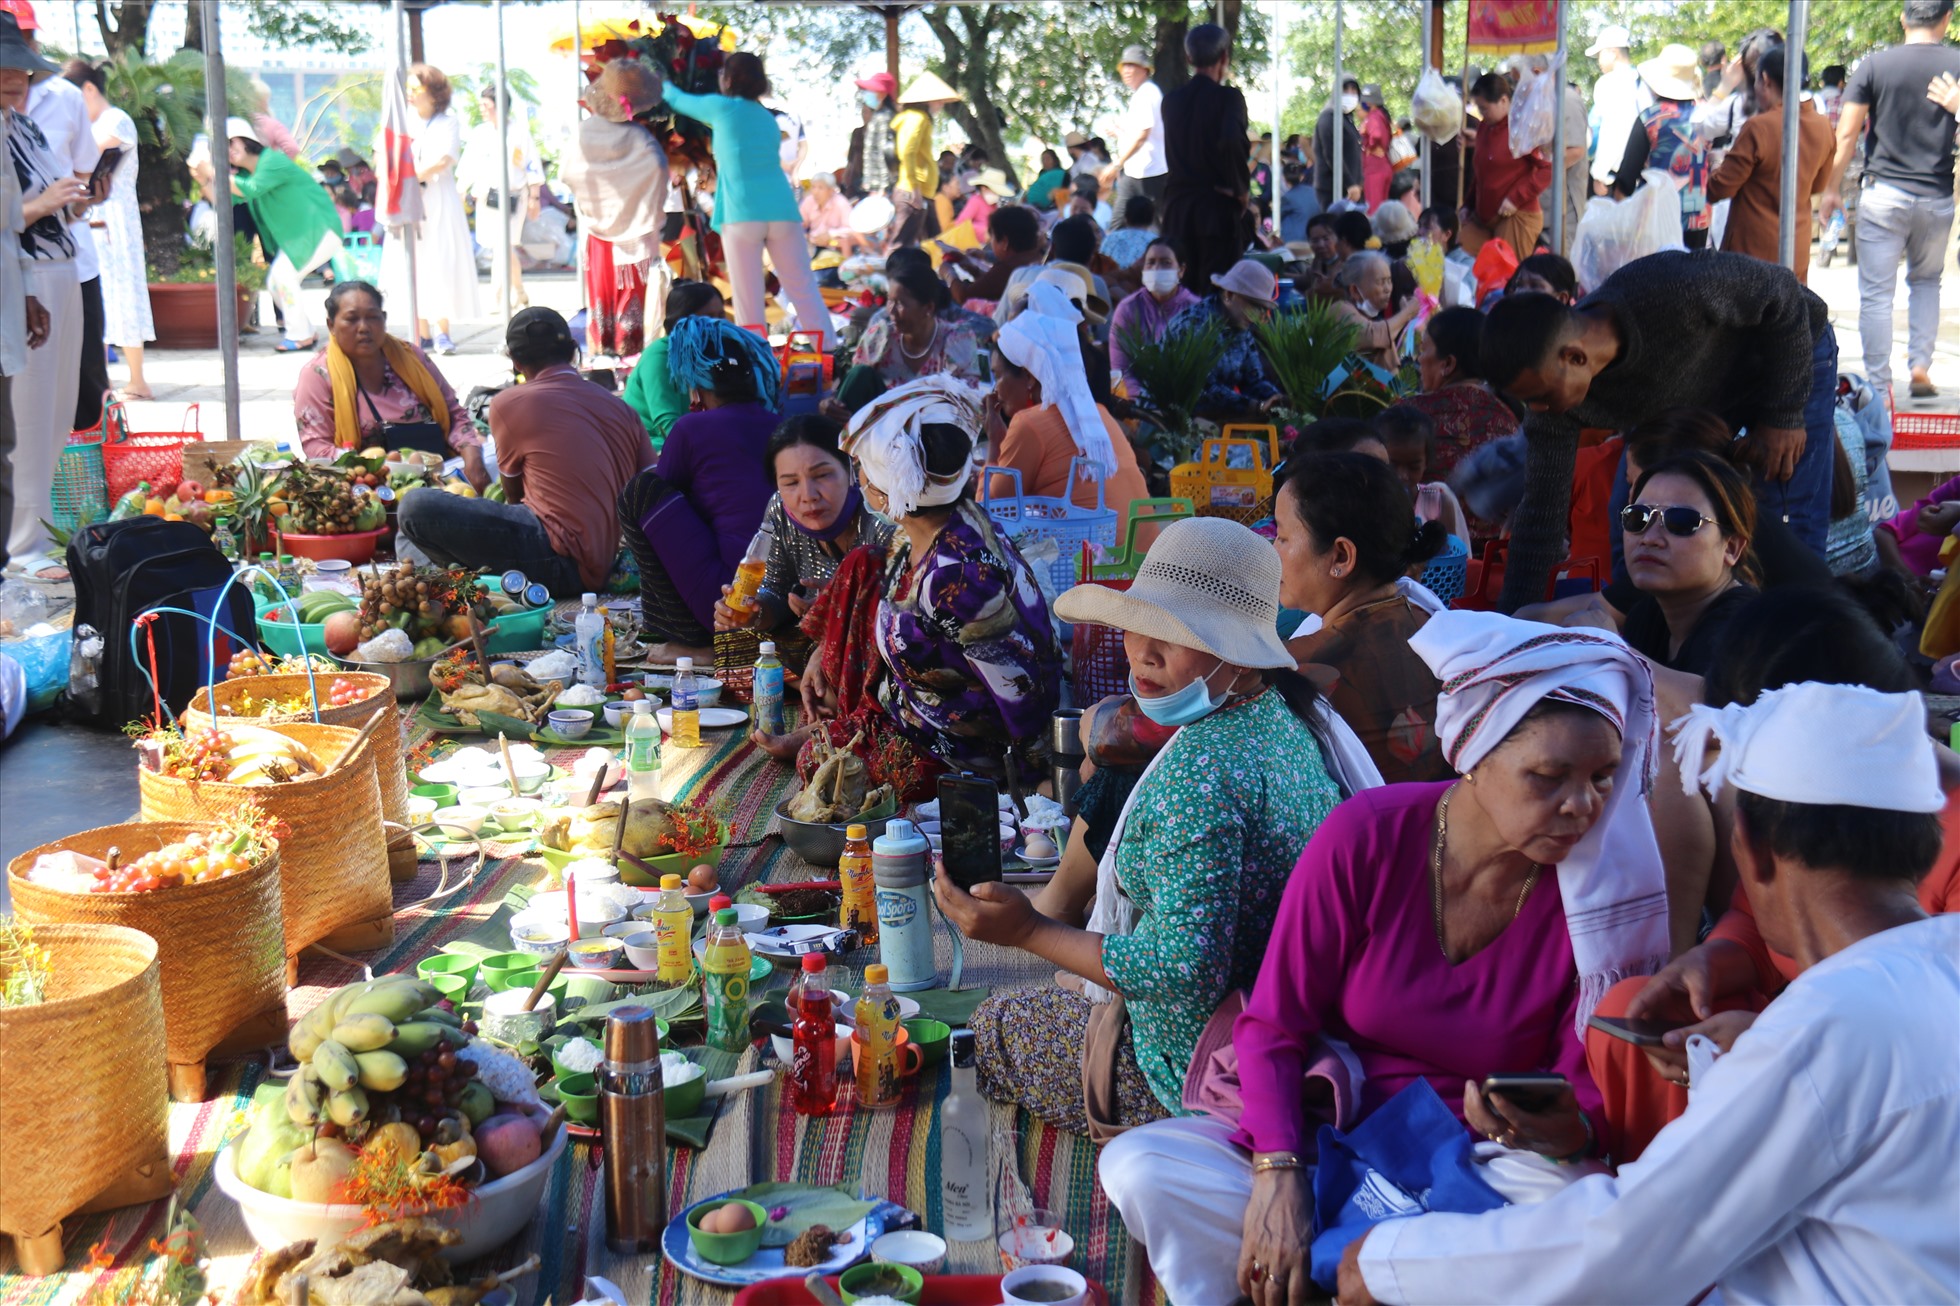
(437, 1080)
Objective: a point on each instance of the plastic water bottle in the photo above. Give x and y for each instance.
(877, 1040)
(673, 931)
(289, 574)
(1833, 234)
(813, 1065)
(642, 753)
(750, 571)
(687, 705)
(222, 539)
(725, 984)
(860, 907)
(587, 629)
(768, 691)
(964, 1135)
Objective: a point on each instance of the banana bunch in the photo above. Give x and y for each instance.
(358, 1041)
(315, 606)
(261, 756)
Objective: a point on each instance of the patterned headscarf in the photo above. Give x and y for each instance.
(1494, 669)
(1050, 348)
(696, 344)
(884, 437)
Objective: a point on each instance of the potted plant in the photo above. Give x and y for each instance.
(184, 300)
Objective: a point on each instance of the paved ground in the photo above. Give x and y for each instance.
(1838, 284)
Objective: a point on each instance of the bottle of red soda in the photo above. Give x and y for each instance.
(813, 1063)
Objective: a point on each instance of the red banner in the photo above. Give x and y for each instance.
(1513, 26)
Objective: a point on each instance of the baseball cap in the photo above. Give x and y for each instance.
(23, 13)
(1073, 139)
(883, 83)
(1137, 55)
(536, 325)
(1611, 37)
(239, 127)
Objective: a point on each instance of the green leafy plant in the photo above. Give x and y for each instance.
(24, 966)
(1303, 349)
(1171, 375)
(199, 264)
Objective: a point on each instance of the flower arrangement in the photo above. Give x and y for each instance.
(389, 1183)
(690, 59)
(698, 829)
(177, 1260)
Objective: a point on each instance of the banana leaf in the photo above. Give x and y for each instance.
(1303, 349)
(806, 1208)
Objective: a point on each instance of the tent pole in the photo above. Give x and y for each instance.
(1423, 143)
(1786, 224)
(1279, 100)
(408, 231)
(216, 111)
(504, 214)
(1337, 146)
(1557, 215)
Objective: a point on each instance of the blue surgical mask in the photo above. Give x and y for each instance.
(1192, 703)
(871, 99)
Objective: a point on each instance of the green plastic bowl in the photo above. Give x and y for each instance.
(580, 1096)
(496, 969)
(726, 1248)
(854, 1281)
(445, 795)
(454, 987)
(517, 632)
(448, 963)
(630, 874)
(279, 636)
(684, 1100)
(525, 979)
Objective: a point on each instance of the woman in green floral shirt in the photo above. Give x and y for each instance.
(1192, 880)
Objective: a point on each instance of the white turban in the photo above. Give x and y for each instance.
(1049, 348)
(884, 437)
(1827, 745)
(1494, 669)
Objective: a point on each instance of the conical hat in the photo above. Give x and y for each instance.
(927, 88)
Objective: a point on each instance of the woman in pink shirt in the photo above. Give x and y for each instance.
(1442, 932)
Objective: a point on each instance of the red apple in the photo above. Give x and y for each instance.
(342, 631)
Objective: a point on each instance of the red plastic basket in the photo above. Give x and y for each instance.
(154, 456)
(1925, 430)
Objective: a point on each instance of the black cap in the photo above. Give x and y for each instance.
(535, 327)
(963, 1048)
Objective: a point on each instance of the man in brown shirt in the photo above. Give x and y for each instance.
(1751, 177)
(1015, 234)
(565, 449)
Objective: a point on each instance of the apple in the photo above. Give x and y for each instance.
(342, 631)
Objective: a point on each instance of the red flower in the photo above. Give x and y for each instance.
(610, 49)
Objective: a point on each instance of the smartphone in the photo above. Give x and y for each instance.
(969, 827)
(1640, 1033)
(104, 166)
(1533, 1092)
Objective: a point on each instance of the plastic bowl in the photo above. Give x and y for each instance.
(492, 1217)
(469, 818)
(572, 723)
(855, 1282)
(686, 1097)
(496, 969)
(642, 948)
(448, 963)
(517, 632)
(726, 1248)
(820, 844)
(278, 634)
(355, 547)
(580, 1095)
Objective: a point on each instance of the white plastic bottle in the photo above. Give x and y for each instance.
(587, 630)
(642, 753)
(965, 1184)
(687, 705)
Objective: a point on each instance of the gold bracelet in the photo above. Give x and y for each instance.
(1277, 1161)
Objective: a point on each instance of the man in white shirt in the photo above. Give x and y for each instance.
(1618, 98)
(1815, 1161)
(1139, 167)
(58, 109)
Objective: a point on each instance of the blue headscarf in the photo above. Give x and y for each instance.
(696, 344)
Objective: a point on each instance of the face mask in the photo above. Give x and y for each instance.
(1349, 103)
(1160, 281)
(871, 99)
(1194, 702)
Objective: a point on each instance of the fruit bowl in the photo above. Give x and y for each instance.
(356, 547)
(409, 680)
(496, 1211)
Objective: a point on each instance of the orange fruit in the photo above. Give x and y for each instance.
(153, 507)
(173, 516)
(278, 507)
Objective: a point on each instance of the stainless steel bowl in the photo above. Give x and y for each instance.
(819, 844)
(409, 680)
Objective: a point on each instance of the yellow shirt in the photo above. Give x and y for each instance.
(918, 171)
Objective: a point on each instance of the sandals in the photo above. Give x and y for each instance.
(296, 346)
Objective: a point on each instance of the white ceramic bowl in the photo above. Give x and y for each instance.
(420, 810)
(643, 948)
(469, 817)
(616, 714)
(532, 773)
(492, 1217)
(924, 1252)
(516, 813)
(587, 871)
(483, 795)
(785, 1049)
(751, 916)
(624, 930)
(602, 953)
(570, 724)
(539, 935)
(699, 901)
(1058, 1278)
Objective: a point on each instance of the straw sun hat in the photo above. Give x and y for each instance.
(1207, 583)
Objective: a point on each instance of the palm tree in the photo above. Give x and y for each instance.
(165, 98)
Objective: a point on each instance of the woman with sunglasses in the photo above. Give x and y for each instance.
(1686, 534)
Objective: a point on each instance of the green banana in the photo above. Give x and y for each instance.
(348, 1106)
(397, 999)
(364, 1033)
(303, 1100)
(440, 1016)
(313, 1029)
(416, 1037)
(337, 1067)
(381, 1071)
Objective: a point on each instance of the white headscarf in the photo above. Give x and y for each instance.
(884, 437)
(1772, 748)
(1494, 669)
(1049, 348)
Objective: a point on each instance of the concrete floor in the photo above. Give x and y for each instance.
(57, 779)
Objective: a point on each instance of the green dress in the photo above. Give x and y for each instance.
(651, 392)
(288, 206)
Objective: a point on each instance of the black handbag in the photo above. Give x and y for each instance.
(424, 437)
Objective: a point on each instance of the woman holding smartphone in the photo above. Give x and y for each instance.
(1431, 936)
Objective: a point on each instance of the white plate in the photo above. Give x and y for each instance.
(712, 718)
(1039, 863)
(784, 941)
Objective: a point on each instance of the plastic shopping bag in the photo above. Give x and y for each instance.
(1436, 108)
(1613, 233)
(1535, 107)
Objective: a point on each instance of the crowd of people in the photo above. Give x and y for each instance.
(1415, 952)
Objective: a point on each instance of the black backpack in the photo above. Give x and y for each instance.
(123, 569)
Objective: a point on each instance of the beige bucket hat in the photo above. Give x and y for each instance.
(1207, 583)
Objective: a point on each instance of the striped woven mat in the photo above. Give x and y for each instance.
(891, 1153)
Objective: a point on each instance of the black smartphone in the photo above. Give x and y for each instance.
(1640, 1033)
(104, 166)
(1533, 1092)
(969, 828)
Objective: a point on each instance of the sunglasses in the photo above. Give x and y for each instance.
(1680, 520)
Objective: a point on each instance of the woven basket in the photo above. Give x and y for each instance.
(390, 770)
(404, 859)
(333, 863)
(221, 944)
(83, 1109)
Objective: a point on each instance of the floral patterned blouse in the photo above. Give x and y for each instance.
(955, 350)
(1213, 834)
(973, 657)
(1239, 379)
(394, 402)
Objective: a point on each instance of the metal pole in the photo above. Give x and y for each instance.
(1786, 222)
(578, 116)
(1338, 146)
(1424, 144)
(509, 209)
(1557, 215)
(216, 111)
(1279, 95)
(407, 236)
